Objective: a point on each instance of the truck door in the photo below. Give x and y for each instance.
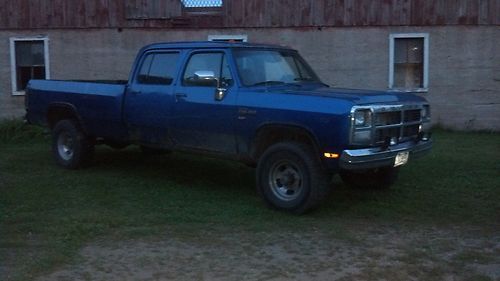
(200, 120)
(149, 98)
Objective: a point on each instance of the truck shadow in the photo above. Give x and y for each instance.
(219, 176)
(177, 168)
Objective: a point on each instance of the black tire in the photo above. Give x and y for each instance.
(380, 178)
(71, 148)
(291, 178)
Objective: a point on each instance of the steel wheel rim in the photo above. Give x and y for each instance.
(286, 180)
(65, 146)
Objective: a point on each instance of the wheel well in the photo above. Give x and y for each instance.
(57, 113)
(270, 135)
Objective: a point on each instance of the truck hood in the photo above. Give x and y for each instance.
(356, 96)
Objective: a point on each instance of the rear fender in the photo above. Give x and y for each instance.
(61, 110)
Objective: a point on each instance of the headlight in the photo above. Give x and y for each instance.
(362, 118)
(426, 112)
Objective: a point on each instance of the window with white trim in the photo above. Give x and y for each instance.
(29, 59)
(228, 38)
(409, 62)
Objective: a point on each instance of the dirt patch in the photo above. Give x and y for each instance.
(388, 253)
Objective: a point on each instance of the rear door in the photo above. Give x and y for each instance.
(199, 120)
(149, 100)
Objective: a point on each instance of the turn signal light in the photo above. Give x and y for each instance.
(331, 155)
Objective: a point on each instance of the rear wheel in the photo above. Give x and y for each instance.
(71, 148)
(380, 178)
(291, 178)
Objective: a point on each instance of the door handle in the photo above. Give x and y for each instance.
(246, 111)
(135, 92)
(243, 112)
(180, 96)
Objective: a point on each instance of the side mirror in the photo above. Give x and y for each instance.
(204, 78)
(206, 75)
(220, 93)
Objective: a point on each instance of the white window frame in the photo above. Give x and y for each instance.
(242, 37)
(425, 83)
(13, 72)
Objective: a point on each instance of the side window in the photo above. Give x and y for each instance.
(158, 68)
(215, 62)
(29, 60)
(409, 68)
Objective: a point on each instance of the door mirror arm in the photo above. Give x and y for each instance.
(220, 92)
(206, 76)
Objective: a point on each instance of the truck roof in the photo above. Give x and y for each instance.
(210, 44)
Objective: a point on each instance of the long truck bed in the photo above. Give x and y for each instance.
(97, 103)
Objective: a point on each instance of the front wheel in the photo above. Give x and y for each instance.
(290, 177)
(379, 178)
(70, 146)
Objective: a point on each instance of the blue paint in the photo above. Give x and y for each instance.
(184, 117)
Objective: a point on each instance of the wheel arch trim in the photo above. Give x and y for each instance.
(263, 130)
(69, 109)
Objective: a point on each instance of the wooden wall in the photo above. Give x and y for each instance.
(33, 14)
(361, 12)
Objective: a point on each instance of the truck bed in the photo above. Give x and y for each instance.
(98, 103)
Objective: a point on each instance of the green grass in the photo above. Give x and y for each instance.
(48, 213)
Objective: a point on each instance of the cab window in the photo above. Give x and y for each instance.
(214, 62)
(158, 68)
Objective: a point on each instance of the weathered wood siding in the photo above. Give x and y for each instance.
(277, 13)
(32, 14)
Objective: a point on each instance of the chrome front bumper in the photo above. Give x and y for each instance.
(369, 158)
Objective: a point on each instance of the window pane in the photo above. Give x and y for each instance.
(408, 63)
(164, 66)
(158, 68)
(214, 62)
(208, 61)
(400, 51)
(29, 53)
(38, 72)
(408, 76)
(146, 64)
(260, 66)
(30, 62)
(201, 3)
(415, 50)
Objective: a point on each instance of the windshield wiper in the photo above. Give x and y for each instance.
(311, 80)
(269, 82)
(304, 79)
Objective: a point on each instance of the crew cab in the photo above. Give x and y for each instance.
(262, 105)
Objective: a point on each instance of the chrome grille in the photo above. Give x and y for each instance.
(410, 131)
(381, 135)
(396, 123)
(387, 118)
(389, 124)
(412, 115)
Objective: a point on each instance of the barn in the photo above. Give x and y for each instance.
(444, 50)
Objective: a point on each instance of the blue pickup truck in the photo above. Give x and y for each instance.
(259, 104)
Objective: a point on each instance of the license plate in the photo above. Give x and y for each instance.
(401, 158)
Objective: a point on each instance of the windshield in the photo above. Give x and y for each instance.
(266, 67)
